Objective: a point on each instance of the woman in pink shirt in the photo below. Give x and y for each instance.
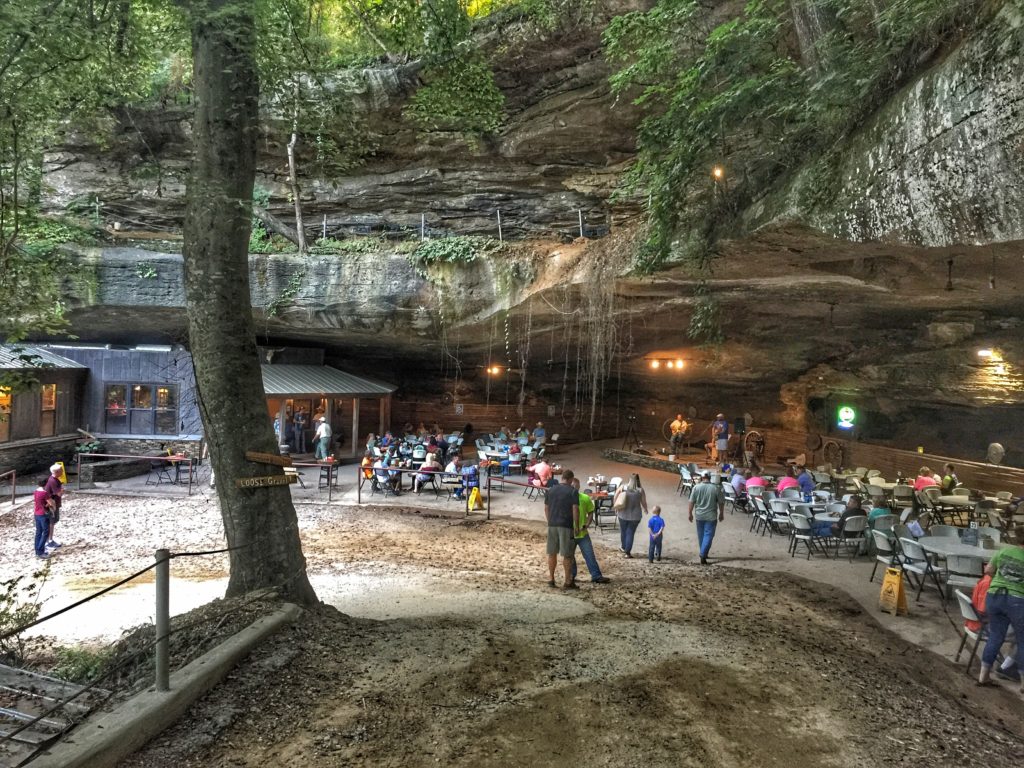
(924, 479)
(786, 482)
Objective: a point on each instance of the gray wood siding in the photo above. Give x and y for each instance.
(128, 366)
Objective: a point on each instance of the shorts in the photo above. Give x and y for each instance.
(722, 445)
(561, 542)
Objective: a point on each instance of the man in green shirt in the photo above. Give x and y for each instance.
(707, 504)
(1004, 607)
(583, 542)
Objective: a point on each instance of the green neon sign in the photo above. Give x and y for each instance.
(846, 417)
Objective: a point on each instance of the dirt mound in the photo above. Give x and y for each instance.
(668, 666)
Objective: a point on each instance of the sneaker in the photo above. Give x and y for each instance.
(571, 585)
(44, 556)
(1009, 674)
(52, 544)
(601, 580)
(703, 561)
(552, 583)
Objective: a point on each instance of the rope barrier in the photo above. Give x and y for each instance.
(65, 609)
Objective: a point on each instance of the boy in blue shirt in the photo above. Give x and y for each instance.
(657, 527)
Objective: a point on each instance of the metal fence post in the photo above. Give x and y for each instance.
(78, 477)
(488, 495)
(163, 619)
(359, 484)
(330, 480)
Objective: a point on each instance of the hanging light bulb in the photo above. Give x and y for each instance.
(679, 364)
(655, 364)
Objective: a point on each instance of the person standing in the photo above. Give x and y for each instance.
(720, 437)
(1004, 606)
(583, 542)
(323, 439)
(707, 504)
(55, 493)
(630, 505)
(299, 430)
(41, 505)
(657, 528)
(561, 510)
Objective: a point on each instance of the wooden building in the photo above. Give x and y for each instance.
(40, 406)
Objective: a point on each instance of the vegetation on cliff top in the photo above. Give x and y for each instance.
(734, 102)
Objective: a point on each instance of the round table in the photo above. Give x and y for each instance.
(822, 517)
(946, 546)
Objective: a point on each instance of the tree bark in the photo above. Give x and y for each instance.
(275, 225)
(293, 173)
(261, 522)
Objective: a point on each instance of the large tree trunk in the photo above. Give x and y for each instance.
(260, 521)
(293, 172)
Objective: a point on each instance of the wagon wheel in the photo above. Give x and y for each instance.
(666, 430)
(832, 453)
(753, 445)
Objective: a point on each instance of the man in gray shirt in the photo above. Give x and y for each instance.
(707, 504)
(562, 511)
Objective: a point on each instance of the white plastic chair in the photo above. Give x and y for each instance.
(969, 614)
(916, 561)
(852, 535)
(886, 553)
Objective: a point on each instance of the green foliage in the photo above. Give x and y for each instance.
(706, 321)
(19, 605)
(743, 95)
(453, 250)
(145, 270)
(288, 293)
(459, 95)
(80, 665)
(349, 245)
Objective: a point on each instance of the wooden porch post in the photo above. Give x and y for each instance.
(382, 406)
(355, 426)
(283, 438)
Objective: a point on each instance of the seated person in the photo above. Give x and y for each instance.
(543, 474)
(421, 431)
(502, 435)
(754, 479)
(924, 479)
(806, 482)
(522, 433)
(514, 452)
(949, 480)
(441, 443)
(789, 481)
(388, 440)
(679, 429)
(853, 509)
(427, 470)
(367, 465)
(877, 511)
(470, 478)
(395, 474)
(539, 433)
(371, 442)
(408, 428)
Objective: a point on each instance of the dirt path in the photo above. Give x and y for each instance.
(668, 666)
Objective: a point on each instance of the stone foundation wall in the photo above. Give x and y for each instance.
(36, 455)
(112, 469)
(149, 446)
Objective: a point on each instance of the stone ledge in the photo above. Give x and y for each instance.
(638, 460)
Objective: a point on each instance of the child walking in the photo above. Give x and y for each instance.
(657, 527)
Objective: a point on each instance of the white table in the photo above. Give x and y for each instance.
(955, 501)
(946, 546)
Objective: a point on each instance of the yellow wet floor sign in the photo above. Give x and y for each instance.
(475, 502)
(893, 599)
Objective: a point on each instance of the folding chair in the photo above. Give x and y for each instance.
(978, 636)
(852, 535)
(916, 561)
(885, 554)
(159, 472)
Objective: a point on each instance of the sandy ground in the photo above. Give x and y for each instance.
(441, 644)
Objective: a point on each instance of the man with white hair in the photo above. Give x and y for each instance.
(719, 438)
(323, 439)
(54, 493)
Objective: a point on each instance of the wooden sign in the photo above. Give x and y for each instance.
(268, 458)
(265, 481)
(893, 599)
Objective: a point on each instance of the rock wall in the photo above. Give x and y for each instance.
(560, 151)
(939, 165)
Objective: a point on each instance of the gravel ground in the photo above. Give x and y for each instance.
(456, 652)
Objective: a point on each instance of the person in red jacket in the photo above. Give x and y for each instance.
(41, 501)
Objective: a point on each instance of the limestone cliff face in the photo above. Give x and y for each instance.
(563, 144)
(941, 164)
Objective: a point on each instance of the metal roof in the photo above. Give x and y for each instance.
(13, 357)
(320, 380)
